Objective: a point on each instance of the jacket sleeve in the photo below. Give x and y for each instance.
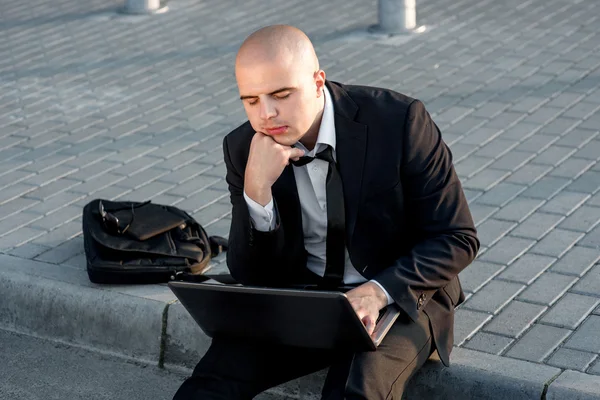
(253, 257)
(438, 213)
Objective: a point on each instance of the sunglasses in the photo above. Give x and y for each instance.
(111, 222)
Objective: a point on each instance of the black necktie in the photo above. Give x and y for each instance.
(336, 225)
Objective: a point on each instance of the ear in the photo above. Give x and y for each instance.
(320, 82)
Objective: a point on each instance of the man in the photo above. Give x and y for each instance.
(380, 208)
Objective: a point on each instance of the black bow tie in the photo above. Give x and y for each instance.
(326, 155)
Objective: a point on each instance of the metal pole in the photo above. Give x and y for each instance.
(397, 16)
(144, 6)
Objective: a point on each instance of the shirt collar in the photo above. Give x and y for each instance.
(326, 134)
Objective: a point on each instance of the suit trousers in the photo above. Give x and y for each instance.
(235, 369)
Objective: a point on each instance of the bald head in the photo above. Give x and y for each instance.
(283, 44)
(280, 84)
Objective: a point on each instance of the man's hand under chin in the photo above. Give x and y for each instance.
(367, 299)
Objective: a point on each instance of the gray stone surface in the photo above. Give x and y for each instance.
(571, 359)
(557, 242)
(538, 342)
(515, 319)
(576, 261)
(586, 338)
(507, 250)
(492, 297)
(527, 268)
(467, 323)
(590, 283)
(489, 343)
(570, 311)
(478, 274)
(574, 385)
(97, 104)
(547, 288)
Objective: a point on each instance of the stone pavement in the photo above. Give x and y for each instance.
(94, 104)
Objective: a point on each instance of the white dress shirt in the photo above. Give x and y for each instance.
(310, 180)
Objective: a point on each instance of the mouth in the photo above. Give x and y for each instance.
(277, 130)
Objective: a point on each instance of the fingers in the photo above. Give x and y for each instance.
(295, 154)
(369, 323)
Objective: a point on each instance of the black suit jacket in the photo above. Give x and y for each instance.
(408, 224)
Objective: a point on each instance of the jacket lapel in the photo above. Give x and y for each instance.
(351, 146)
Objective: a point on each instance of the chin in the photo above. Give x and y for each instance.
(286, 140)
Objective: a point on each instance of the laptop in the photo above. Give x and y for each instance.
(293, 317)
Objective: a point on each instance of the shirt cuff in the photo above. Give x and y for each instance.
(262, 217)
(389, 298)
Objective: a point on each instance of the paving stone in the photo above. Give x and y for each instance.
(529, 174)
(594, 200)
(536, 143)
(515, 319)
(548, 288)
(477, 274)
(479, 212)
(467, 323)
(591, 151)
(595, 369)
(518, 209)
(589, 283)
(212, 213)
(512, 160)
(546, 187)
(583, 219)
(571, 359)
(55, 219)
(493, 230)
(537, 225)
(19, 237)
(507, 250)
(201, 199)
(28, 250)
(553, 155)
(59, 235)
(565, 203)
(50, 175)
(149, 191)
(194, 185)
(470, 166)
(97, 183)
(488, 343)
(570, 310)
(496, 148)
(557, 242)
(588, 182)
(572, 168)
(63, 252)
(592, 239)
(577, 261)
(572, 384)
(586, 338)
(538, 343)
(493, 296)
(577, 138)
(527, 268)
(15, 206)
(53, 189)
(14, 191)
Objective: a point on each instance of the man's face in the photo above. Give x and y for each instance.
(280, 100)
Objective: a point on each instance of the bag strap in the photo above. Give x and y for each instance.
(218, 244)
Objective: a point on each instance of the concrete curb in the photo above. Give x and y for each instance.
(146, 323)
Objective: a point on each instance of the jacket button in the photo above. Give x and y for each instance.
(421, 301)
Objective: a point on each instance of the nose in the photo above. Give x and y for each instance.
(267, 110)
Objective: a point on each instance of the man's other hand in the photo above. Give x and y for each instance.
(367, 299)
(266, 162)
